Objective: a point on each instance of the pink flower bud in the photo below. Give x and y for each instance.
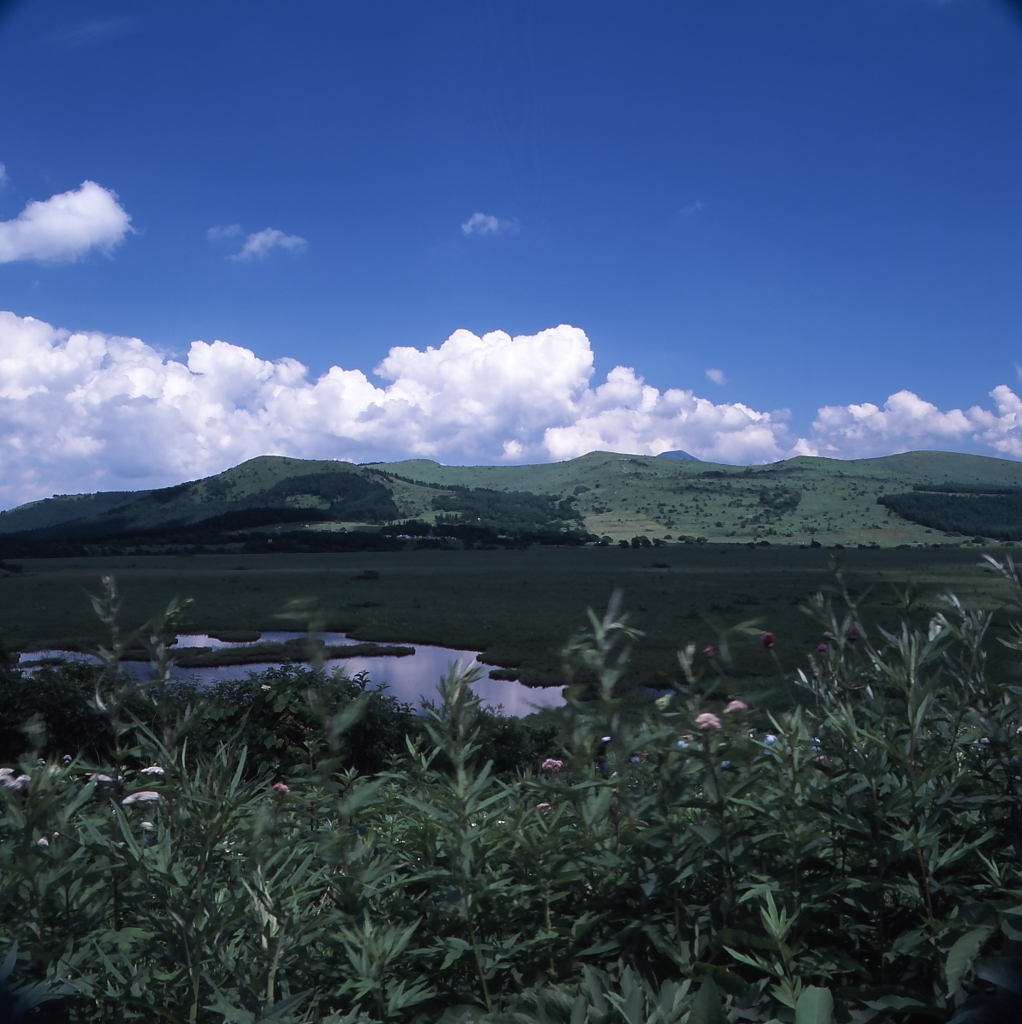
(822, 648)
(736, 705)
(551, 764)
(281, 788)
(767, 640)
(708, 720)
(709, 651)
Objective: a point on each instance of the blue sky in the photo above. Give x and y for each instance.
(820, 201)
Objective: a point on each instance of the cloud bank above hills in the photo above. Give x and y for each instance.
(88, 411)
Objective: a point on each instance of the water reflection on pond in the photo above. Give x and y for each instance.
(411, 678)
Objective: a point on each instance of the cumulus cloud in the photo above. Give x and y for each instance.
(86, 411)
(717, 376)
(907, 422)
(3, 175)
(261, 243)
(627, 415)
(65, 227)
(486, 224)
(218, 232)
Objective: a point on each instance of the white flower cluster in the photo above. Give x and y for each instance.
(143, 796)
(13, 780)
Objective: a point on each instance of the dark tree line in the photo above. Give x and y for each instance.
(997, 515)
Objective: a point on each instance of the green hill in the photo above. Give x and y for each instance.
(64, 508)
(610, 495)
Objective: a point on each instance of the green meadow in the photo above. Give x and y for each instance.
(517, 607)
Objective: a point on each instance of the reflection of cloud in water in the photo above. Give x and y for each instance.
(268, 637)
(414, 677)
(410, 678)
(518, 700)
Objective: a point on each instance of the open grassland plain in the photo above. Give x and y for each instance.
(517, 607)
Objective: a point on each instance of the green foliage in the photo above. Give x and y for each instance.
(275, 714)
(969, 510)
(58, 701)
(348, 495)
(680, 861)
(505, 512)
(780, 499)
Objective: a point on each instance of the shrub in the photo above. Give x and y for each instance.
(686, 859)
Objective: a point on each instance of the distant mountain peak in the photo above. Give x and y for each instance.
(679, 454)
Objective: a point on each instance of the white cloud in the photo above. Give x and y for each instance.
(220, 231)
(695, 207)
(87, 411)
(3, 175)
(486, 224)
(627, 415)
(65, 227)
(907, 422)
(716, 376)
(261, 243)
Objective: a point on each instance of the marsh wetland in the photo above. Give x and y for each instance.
(515, 607)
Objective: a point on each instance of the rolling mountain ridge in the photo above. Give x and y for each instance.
(607, 494)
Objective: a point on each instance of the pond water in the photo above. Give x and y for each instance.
(410, 678)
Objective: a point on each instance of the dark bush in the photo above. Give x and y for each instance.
(55, 704)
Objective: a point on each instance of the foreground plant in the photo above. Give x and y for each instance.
(687, 859)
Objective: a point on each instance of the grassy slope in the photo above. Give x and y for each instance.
(631, 495)
(235, 488)
(626, 495)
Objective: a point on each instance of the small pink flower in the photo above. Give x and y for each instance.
(282, 788)
(709, 651)
(542, 807)
(822, 648)
(736, 705)
(551, 764)
(767, 640)
(708, 720)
